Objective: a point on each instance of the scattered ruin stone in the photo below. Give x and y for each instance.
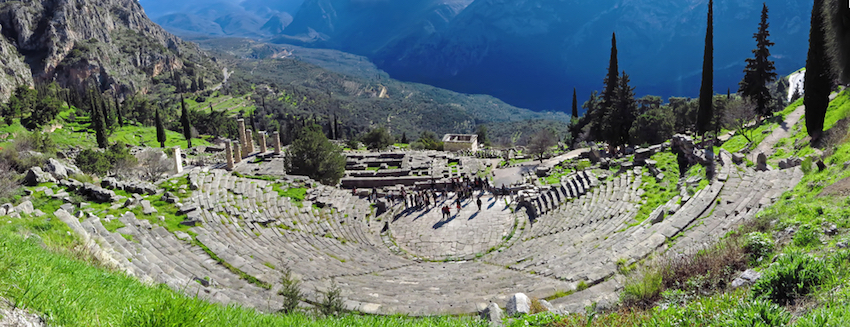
(147, 208)
(519, 303)
(25, 207)
(738, 158)
(37, 176)
(830, 230)
(492, 314)
(56, 168)
(761, 162)
(749, 277)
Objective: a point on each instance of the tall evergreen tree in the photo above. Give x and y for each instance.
(98, 121)
(160, 128)
(817, 79)
(760, 70)
(618, 120)
(575, 104)
(608, 92)
(118, 111)
(705, 113)
(187, 125)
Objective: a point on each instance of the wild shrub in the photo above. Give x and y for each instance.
(537, 307)
(756, 313)
(706, 270)
(758, 245)
(153, 164)
(643, 289)
(9, 181)
(806, 236)
(291, 291)
(830, 315)
(793, 275)
(331, 304)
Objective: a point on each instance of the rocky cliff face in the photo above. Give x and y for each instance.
(108, 42)
(15, 72)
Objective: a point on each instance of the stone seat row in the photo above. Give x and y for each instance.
(153, 254)
(612, 198)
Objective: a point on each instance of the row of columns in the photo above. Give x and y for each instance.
(245, 146)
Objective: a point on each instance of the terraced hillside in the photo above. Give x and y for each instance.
(416, 261)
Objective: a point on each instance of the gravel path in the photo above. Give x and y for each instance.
(784, 131)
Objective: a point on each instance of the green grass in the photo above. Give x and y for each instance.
(658, 193)
(69, 291)
(76, 133)
(295, 194)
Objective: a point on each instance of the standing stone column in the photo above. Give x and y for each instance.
(249, 145)
(262, 137)
(178, 160)
(276, 140)
(228, 151)
(237, 156)
(241, 123)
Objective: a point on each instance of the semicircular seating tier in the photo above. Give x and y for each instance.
(420, 262)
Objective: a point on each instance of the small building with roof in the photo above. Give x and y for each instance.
(460, 142)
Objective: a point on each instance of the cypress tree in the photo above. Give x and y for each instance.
(160, 129)
(575, 104)
(618, 120)
(98, 122)
(705, 113)
(608, 92)
(118, 111)
(187, 126)
(760, 70)
(817, 82)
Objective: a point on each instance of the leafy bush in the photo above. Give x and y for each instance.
(758, 245)
(793, 275)
(93, 162)
(378, 139)
(116, 157)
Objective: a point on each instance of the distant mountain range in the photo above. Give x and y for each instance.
(529, 53)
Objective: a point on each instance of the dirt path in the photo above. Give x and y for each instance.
(784, 131)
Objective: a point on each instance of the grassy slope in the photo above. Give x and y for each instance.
(76, 133)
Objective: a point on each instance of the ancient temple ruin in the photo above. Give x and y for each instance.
(460, 142)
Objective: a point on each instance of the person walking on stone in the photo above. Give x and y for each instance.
(478, 202)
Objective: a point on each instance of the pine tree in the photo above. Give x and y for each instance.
(817, 79)
(610, 88)
(760, 70)
(705, 113)
(187, 126)
(98, 121)
(575, 104)
(160, 129)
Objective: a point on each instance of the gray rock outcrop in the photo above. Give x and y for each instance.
(37, 176)
(518, 304)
